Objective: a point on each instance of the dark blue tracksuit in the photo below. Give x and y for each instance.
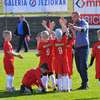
(22, 31)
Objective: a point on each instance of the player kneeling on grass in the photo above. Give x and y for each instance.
(96, 55)
(9, 60)
(33, 77)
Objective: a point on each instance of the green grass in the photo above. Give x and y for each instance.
(70, 9)
(30, 60)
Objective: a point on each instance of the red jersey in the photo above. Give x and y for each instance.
(8, 58)
(61, 51)
(47, 53)
(8, 48)
(61, 59)
(32, 77)
(96, 54)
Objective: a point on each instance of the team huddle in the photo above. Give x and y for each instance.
(55, 52)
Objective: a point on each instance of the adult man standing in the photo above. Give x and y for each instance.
(23, 32)
(80, 27)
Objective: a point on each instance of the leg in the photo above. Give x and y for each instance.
(83, 57)
(52, 78)
(26, 45)
(77, 59)
(20, 42)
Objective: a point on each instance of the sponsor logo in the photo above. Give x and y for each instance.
(87, 3)
(80, 3)
(32, 3)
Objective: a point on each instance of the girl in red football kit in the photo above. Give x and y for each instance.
(33, 77)
(96, 55)
(9, 60)
(61, 61)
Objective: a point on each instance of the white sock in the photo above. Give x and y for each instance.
(52, 78)
(70, 83)
(44, 80)
(65, 83)
(59, 83)
(9, 81)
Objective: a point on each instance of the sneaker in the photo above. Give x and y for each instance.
(10, 89)
(99, 83)
(24, 89)
(83, 88)
(54, 89)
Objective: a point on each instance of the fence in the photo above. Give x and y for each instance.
(35, 27)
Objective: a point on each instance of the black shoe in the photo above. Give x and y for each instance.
(26, 51)
(54, 89)
(22, 89)
(83, 88)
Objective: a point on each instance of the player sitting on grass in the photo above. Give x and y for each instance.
(96, 55)
(9, 60)
(33, 77)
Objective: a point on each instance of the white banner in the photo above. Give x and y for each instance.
(34, 6)
(87, 6)
(89, 10)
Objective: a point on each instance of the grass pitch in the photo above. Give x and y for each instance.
(30, 60)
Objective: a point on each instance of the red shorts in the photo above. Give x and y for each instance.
(61, 67)
(9, 67)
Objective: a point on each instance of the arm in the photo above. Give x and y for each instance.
(81, 28)
(57, 44)
(26, 28)
(91, 61)
(52, 25)
(17, 55)
(48, 45)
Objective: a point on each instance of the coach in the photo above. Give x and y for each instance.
(81, 27)
(23, 31)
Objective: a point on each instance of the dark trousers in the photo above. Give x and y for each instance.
(22, 41)
(81, 58)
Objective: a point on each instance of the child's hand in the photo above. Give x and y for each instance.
(20, 56)
(37, 55)
(62, 21)
(44, 23)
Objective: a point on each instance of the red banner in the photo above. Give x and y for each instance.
(93, 19)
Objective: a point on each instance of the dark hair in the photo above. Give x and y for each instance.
(44, 66)
(77, 13)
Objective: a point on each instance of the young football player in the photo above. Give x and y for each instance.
(33, 77)
(96, 55)
(61, 61)
(46, 56)
(8, 60)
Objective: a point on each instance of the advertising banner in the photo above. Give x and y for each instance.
(35, 6)
(89, 10)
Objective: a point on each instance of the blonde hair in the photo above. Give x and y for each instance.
(6, 33)
(45, 34)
